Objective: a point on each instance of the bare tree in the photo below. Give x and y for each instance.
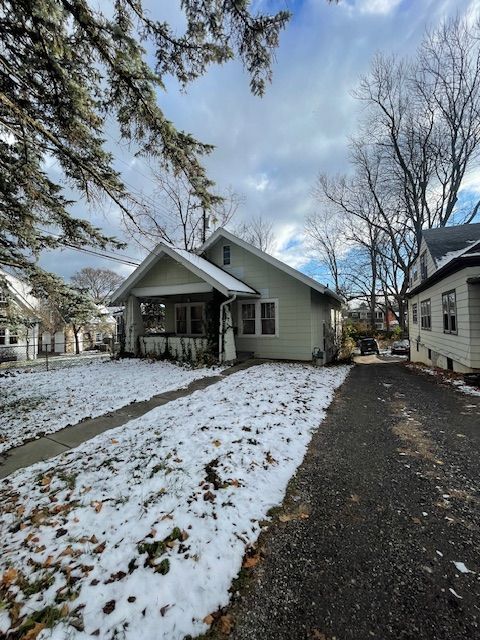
(257, 231)
(176, 215)
(419, 139)
(98, 283)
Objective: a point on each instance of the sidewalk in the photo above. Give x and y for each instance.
(49, 446)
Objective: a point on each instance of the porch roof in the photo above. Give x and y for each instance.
(205, 270)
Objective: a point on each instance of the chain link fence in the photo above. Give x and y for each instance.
(28, 356)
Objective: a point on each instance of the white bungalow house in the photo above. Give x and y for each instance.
(19, 320)
(444, 299)
(230, 298)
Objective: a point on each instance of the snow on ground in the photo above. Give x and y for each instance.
(38, 402)
(459, 384)
(139, 532)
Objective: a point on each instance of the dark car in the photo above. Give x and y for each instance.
(368, 345)
(400, 348)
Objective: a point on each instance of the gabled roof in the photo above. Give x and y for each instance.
(210, 273)
(21, 291)
(447, 243)
(310, 282)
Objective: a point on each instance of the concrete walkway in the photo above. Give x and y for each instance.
(55, 443)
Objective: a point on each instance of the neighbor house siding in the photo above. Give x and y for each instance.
(463, 347)
(294, 340)
(167, 271)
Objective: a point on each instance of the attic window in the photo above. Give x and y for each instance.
(423, 266)
(226, 254)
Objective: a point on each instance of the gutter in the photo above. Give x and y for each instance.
(220, 333)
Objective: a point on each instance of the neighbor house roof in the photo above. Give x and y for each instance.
(313, 284)
(210, 273)
(20, 290)
(447, 243)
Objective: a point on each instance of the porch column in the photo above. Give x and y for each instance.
(228, 352)
(134, 327)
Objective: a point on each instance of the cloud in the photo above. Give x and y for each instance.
(382, 7)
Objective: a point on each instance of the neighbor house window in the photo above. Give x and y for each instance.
(426, 314)
(189, 318)
(2, 336)
(423, 266)
(449, 308)
(3, 298)
(13, 337)
(259, 318)
(226, 254)
(415, 313)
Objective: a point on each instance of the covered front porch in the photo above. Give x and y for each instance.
(196, 298)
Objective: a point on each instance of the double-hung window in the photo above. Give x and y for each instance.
(259, 318)
(189, 318)
(415, 313)
(426, 314)
(449, 309)
(2, 336)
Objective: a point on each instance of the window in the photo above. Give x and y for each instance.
(423, 266)
(2, 336)
(248, 319)
(226, 254)
(98, 337)
(13, 337)
(189, 318)
(426, 314)
(415, 272)
(259, 318)
(415, 313)
(3, 298)
(267, 310)
(449, 308)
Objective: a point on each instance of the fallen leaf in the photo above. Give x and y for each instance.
(9, 576)
(97, 505)
(216, 443)
(251, 561)
(109, 607)
(288, 517)
(100, 548)
(114, 441)
(208, 619)
(318, 635)
(46, 480)
(355, 498)
(34, 631)
(225, 624)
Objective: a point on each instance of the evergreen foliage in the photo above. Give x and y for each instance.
(67, 66)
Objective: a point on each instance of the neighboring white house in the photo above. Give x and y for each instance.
(444, 299)
(19, 321)
(230, 298)
(361, 313)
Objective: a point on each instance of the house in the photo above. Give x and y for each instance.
(229, 298)
(361, 313)
(444, 299)
(19, 320)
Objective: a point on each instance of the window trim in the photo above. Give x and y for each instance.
(188, 319)
(229, 247)
(449, 330)
(258, 319)
(414, 312)
(422, 316)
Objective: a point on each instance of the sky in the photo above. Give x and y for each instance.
(271, 149)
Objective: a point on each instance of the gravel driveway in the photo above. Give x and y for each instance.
(384, 505)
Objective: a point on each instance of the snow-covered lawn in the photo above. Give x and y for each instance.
(139, 532)
(38, 402)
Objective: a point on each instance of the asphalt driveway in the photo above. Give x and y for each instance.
(384, 505)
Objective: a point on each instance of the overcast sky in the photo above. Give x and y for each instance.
(270, 150)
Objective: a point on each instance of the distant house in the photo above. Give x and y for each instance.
(361, 313)
(19, 320)
(227, 299)
(444, 299)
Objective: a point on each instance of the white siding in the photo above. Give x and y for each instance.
(464, 347)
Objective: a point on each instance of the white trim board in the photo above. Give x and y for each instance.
(171, 289)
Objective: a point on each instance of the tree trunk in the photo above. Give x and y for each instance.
(77, 343)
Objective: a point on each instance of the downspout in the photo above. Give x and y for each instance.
(220, 333)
